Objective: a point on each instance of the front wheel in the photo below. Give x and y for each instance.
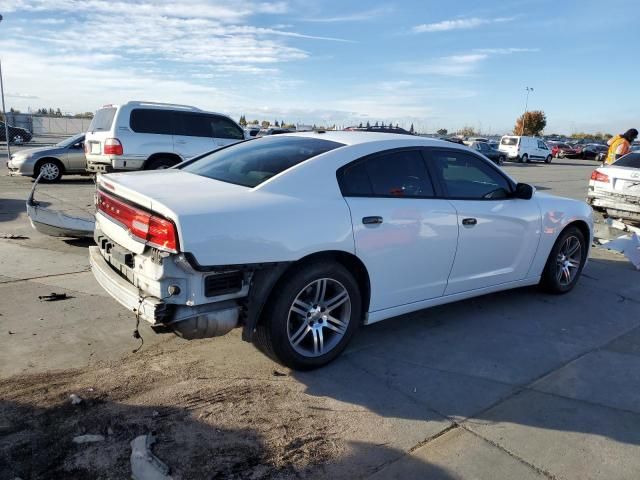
(565, 262)
(525, 158)
(548, 159)
(17, 139)
(311, 320)
(50, 170)
(501, 160)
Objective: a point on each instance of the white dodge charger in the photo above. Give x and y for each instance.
(300, 238)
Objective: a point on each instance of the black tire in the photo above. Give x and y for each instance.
(272, 334)
(17, 139)
(553, 280)
(548, 159)
(160, 163)
(501, 160)
(51, 168)
(525, 158)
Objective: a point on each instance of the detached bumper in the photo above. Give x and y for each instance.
(151, 309)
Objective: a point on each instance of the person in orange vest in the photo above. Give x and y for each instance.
(620, 145)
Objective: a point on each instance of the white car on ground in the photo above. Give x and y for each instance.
(300, 238)
(150, 136)
(525, 149)
(615, 188)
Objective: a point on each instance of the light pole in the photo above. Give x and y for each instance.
(526, 105)
(4, 112)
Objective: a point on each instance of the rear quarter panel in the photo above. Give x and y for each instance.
(557, 213)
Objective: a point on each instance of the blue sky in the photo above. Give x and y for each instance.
(434, 64)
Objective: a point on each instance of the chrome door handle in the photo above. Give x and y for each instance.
(371, 220)
(469, 222)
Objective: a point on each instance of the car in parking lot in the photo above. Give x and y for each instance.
(300, 238)
(149, 135)
(615, 188)
(65, 157)
(589, 151)
(491, 153)
(17, 135)
(525, 149)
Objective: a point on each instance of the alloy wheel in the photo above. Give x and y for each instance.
(319, 317)
(50, 171)
(568, 260)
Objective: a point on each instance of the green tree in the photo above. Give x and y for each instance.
(277, 124)
(368, 124)
(265, 124)
(360, 126)
(243, 121)
(530, 123)
(442, 131)
(411, 130)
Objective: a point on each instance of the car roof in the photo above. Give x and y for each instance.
(350, 137)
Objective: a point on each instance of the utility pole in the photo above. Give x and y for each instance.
(4, 112)
(526, 105)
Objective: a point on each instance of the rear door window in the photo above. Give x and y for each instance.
(102, 120)
(225, 128)
(252, 162)
(400, 174)
(147, 120)
(466, 176)
(509, 141)
(193, 125)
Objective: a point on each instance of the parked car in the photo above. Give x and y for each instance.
(392, 224)
(492, 154)
(397, 130)
(525, 149)
(251, 131)
(150, 136)
(17, 135)
(590, 151)
(558, 148)
(66, 157)
(469, 140)
(273, 131)
(457, 140)
(615, 188)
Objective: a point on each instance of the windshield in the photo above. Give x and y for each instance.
(67, 142)
(510, 141)
(252, 162)
(102, 119)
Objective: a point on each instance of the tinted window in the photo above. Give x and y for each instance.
(102, 120)
(252, 162)
(144, 120)
(395, 174)
(542, 145)
(629, 160)
(483, 147)
(467, 176)
(225, 128)
(193, 124)
(509, 141)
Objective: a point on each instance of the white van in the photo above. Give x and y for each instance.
(148, 135)
(525, 149)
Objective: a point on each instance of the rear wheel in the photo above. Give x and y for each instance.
(310, 322)
(160, 163)
(565, 262)
(51, 171)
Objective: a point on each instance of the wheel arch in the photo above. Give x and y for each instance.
(40, 161)
(171, 155)
(265, 284)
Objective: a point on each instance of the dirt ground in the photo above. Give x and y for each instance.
(254, 427)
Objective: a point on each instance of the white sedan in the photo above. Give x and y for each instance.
(300, 238)
(615, 188)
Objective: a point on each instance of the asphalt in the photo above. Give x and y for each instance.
(514, 385)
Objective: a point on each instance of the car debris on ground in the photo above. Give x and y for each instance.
(53, 297)
(144, 464)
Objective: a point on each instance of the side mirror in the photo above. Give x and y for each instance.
(523, 191)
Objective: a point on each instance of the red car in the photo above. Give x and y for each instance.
(562, 150)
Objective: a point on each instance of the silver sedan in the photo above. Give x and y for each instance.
(66, 157)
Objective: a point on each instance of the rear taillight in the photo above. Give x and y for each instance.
(599, 176)
(112, 146)
(86, 147)
(152, 229)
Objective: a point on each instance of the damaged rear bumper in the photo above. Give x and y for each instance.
(616, 204)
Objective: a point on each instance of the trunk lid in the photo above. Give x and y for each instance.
(624, 180)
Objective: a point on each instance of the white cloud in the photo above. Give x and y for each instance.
(458, 24)
(505, 51)
(352, 17)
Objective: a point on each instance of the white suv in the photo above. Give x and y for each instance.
(525, 149)
(148, 136)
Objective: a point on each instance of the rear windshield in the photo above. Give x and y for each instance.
(630, 160)
(252, 162)
(510, 141)
(102, 120)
